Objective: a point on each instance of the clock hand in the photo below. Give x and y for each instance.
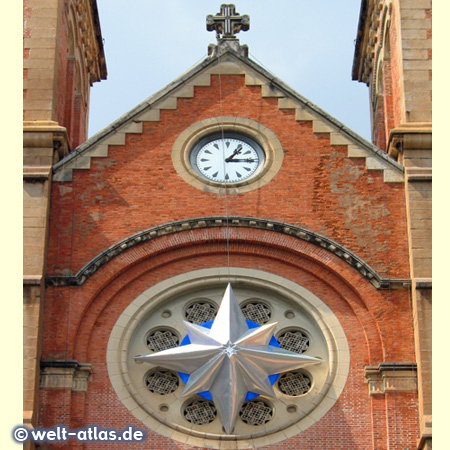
(240, 160)
(236, 152)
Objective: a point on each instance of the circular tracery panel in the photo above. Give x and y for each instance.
(294, 383)
(263, 298)
(199, 412)
(256, 311)
(162, 339)
(162, 382)
(294, 340)
(200, 311)
(256, 413)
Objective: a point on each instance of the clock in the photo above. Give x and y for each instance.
(227, 158)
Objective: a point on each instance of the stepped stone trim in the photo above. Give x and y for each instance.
(244, 222)
(229, 63)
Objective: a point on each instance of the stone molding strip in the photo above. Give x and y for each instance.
(65, 374)
(243, 222)
(391, 377)
(422, 283)
(419, 174)
(229, 63)
(37, 173)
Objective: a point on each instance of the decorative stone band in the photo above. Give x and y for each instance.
(36, 173)
(245, 222)
(410, 136)
(43, 135)
(65, 375)
(391, 377)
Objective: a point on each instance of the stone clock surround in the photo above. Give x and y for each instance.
(264, 136)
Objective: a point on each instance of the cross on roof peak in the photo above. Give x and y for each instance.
(227, 22)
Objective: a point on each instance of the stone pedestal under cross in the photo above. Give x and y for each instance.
(227, 22)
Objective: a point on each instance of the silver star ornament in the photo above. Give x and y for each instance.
(229, 360)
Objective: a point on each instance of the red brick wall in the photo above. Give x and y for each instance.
(318, 188)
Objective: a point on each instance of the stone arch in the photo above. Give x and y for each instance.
(229, 224)
(101, 299)
(336, 277)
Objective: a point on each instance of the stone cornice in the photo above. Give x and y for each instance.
(422, 283)
(419, 174)
(65, 374)
(32, 280)
(88, 23)
(37, 173)
(391, 377)
(47, 134)
(245, 222)
(366, 38)
(417, 135)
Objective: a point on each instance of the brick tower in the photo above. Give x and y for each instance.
(393, 57)
(63, 57)
(228, 175)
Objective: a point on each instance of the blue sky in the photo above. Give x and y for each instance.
(308, 45)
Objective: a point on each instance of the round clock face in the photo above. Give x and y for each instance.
(229, 159)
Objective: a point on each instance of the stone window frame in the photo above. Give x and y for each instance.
(266, 138)
(131, 317)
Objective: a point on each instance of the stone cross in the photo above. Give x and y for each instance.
(227, 22)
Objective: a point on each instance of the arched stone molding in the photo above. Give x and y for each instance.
(228, 224)
(382, 51)
(139, 267)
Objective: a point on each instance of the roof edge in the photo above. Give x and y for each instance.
(135, 111)
(271, 79)
(341, 127)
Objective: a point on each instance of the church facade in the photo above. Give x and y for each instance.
(228, 176)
